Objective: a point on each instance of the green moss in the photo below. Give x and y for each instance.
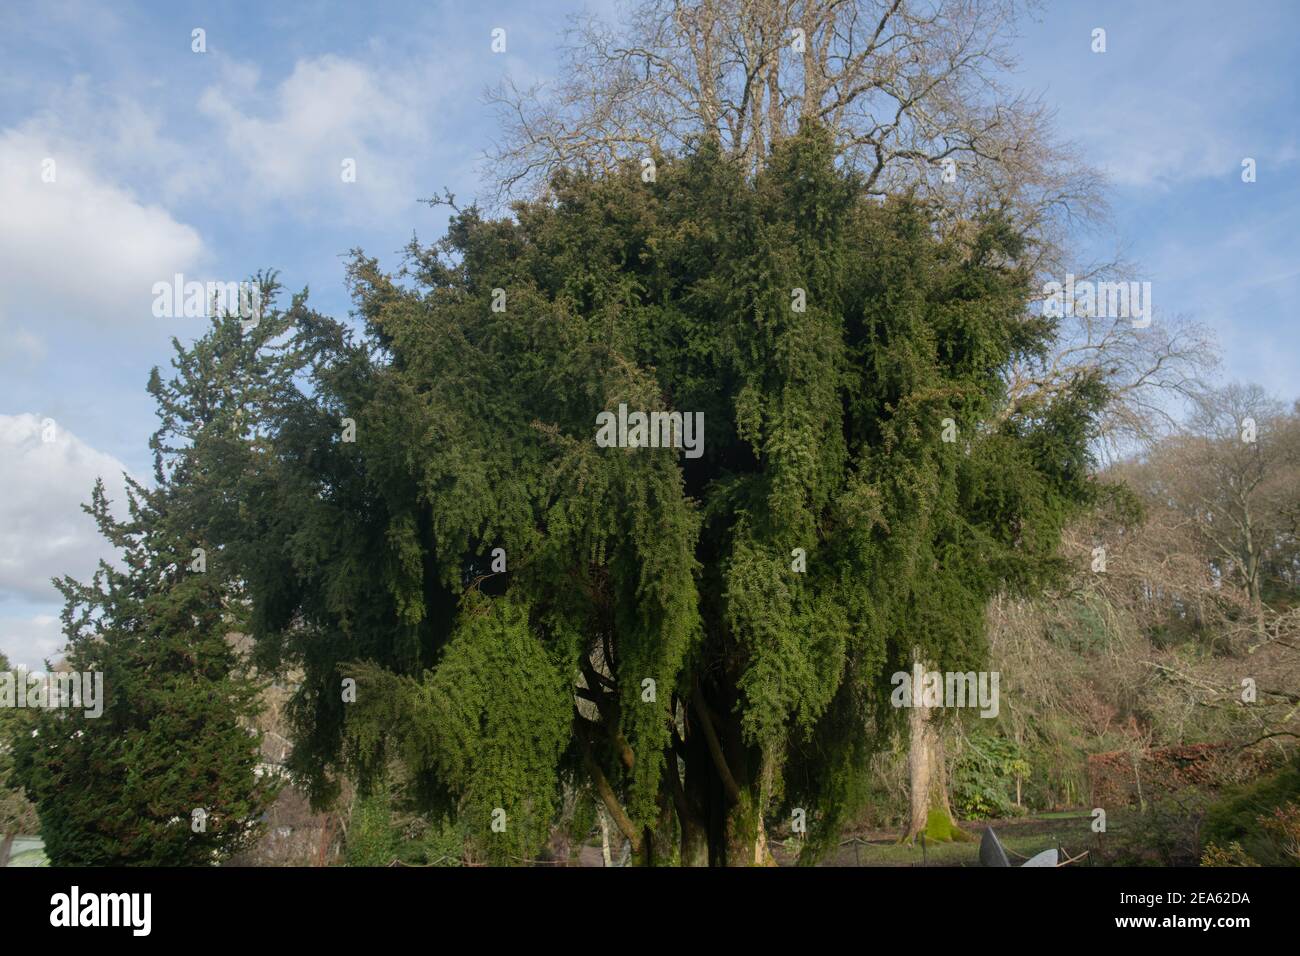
(940, 828)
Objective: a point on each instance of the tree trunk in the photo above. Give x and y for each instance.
(746, 836)
(719, 782)
(605, 857)
(930, 812)
(695, 844)
(920, 763)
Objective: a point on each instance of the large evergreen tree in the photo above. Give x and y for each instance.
(702, 643)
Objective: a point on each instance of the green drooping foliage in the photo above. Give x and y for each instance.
(175, 735)
(489, 725)
(705, 640)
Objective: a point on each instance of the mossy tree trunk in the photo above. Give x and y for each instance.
(930, 811)
(724, 796)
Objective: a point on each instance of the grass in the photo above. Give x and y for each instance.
(1022, 837)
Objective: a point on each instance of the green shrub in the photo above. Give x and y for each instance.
(1255, 817)
(372, 839)
(984, 777)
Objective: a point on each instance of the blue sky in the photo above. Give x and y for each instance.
(216, 165)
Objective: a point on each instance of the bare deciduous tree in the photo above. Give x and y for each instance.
(1234, 474)
(1150, 373)
(914, 92)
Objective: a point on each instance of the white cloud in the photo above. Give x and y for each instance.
(80, 247)
(43, 531)
(29, 640)
(291, 141)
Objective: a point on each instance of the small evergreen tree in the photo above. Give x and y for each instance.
(168, 774)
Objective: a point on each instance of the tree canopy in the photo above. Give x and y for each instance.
(697, 642)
